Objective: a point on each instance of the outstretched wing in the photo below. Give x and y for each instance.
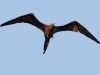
(28, 18)
(75, 26)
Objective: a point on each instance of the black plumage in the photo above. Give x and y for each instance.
(50, 29)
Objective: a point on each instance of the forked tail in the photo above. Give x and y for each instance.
(46, 43)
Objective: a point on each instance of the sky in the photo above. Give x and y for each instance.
(68, 53)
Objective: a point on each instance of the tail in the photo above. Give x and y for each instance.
(46, 43)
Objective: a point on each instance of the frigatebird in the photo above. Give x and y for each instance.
(50, 29)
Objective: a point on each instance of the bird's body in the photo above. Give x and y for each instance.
(50, 30)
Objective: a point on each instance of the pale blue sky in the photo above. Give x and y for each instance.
(68, 53)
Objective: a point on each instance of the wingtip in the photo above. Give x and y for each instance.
(3, 24)
(99, 42)
(0, 25)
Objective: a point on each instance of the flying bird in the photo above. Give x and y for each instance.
(49, 29)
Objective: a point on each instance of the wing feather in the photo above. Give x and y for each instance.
(75, 26)
(28, 18)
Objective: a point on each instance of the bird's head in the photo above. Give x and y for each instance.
(53, 23)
